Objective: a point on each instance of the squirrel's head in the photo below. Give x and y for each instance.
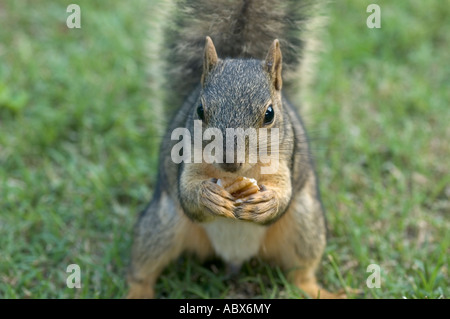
(240, 93)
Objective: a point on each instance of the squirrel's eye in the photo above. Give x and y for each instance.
(201, 112)
(268, 117)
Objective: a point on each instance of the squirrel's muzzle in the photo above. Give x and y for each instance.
(231, 167)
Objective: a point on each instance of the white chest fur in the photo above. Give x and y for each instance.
(233, 240)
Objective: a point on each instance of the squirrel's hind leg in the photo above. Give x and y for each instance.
(161, 234)
(296, 243)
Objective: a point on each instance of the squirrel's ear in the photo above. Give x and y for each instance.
(210, 58)
(273, 64)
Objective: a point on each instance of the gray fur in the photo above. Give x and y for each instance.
(239, 29)
(236, 87)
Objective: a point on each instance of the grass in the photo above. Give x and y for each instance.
(80, 124)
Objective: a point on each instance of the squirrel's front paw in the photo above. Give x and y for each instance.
(216, 199)
(260, 207)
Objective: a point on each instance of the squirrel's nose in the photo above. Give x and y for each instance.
(231, 167)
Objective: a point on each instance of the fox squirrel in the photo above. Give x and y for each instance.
(231, 209)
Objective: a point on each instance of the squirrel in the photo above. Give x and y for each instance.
(280, 218)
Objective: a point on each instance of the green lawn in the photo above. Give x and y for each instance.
(81, 120)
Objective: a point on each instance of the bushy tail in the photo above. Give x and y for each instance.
(239, 29)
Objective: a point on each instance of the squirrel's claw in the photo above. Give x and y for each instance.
(260, 207)
(216, 200)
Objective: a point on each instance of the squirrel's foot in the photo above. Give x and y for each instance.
(140, 291)
(350, 292)
(315, 291)
(216, 199)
